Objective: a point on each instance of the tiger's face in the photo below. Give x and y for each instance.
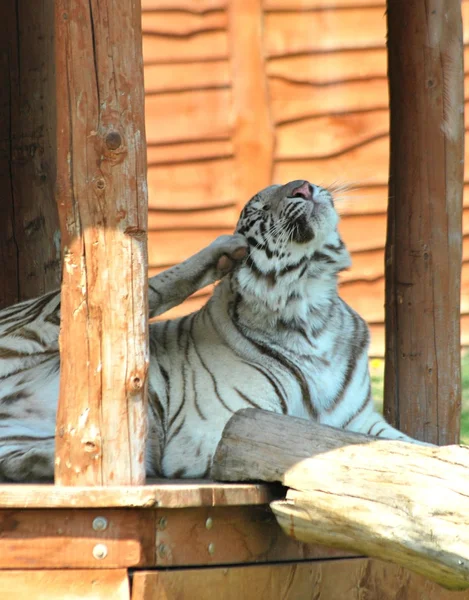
(290, 222)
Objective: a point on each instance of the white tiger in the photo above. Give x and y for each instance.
(275, 335)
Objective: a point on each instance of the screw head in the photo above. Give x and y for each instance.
(100, 523)
(209, 523)
(211, 548)
(100, 551)
(162, 550)
(162, 523)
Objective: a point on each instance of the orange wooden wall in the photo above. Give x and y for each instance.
(244, 93)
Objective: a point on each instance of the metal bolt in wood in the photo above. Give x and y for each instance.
(100, 524)
(100, 551)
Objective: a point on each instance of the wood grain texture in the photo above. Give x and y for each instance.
(289, 32)
(200, 6)
(101, 176)
(423, 246)
(159, 493)
(173, 117)
(204, 46)
(65, 538)
(182, 186)
(86, 584)
(164, 78)
(189, 151)
(253, 134)
(291, 100)
(227, 535)
(392, 500)
(330, 135)
(29, 228)
(349, 579)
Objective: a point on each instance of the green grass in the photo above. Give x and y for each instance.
(377, 384)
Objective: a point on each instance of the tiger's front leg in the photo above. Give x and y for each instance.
(173, 286)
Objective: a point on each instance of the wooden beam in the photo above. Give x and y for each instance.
(350, 579)
(67, 538)
(86, 584)
(401, 502)
(101, 195)
(253, 130)
(163, 494)
(423, 247)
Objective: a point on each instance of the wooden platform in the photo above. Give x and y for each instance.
(174, 540)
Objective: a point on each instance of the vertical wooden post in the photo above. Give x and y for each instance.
(253, 133)
(101, 194)
(29, 227)
(423, 247)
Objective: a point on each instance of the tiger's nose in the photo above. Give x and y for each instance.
(305, 190)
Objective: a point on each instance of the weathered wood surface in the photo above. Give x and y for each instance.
(400, 502)
(351, 579)
(101, 177)
(29, 227)
(65, 538)
(228, 535)
(86, 584)
(423, 245)
(162, 494)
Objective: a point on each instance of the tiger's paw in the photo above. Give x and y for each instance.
(229, 250)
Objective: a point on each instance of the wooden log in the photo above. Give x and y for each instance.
(423, 247)
(101, 177)
(401, 502)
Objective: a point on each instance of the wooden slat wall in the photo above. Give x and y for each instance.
(321, 99)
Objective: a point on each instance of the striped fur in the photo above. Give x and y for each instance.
(274, 335)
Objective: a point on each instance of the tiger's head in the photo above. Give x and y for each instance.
(285, 224)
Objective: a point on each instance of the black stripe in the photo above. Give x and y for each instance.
(291, 367)
(364, 404)
(246, 399)
(212, 377)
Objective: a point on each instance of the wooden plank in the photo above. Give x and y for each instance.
(102, 201)
(57, 585)
(200, 6)
(201, 536)
(253, 133)
(162, 493)
(164, 78)
(187, 152)
(294, 32)
(173, 246)
(192, 115)
(336, 67)
(182, 24)
(365, 164)
(423, 246)
(64, 538)
(330, 135)
(216, 218)
(209, 46)
(293, 101)
(349, 579)
(289, 5)
(189, 186)
(29, 229)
